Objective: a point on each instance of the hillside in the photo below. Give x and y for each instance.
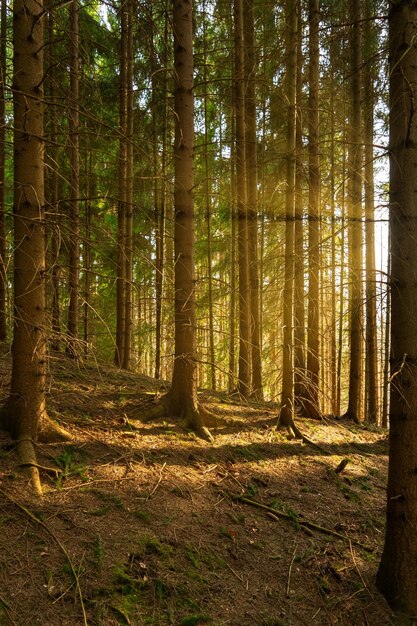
(145, 524)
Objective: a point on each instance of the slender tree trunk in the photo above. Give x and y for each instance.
(87, 248)
(3, 279)
(397, 575)
(207, 194)
(312, 408)
(333, 324)
(54, 193)
(74, 238)
(355, 218)
(286, 415)
(122, 174)
(128, 258)
(181, 400)
(244, 362)
(159, 197)
(387, 341)
(299, 309)
(233, 238)
(371, 367)
(252, 195)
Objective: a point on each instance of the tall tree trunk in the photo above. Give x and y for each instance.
(233, 238)
(26, 404)
(54, 192)
(122, 174)
(252, 195)
(299, 309)
(159, 194)
(128, 258)
(181, 400)
(387, 341)
(312, 408)
(74, 237)
(355, 218)
(3, 247)
(207, 194)
(371, 365)
(244, 360)
(286, 415)
(397, 575)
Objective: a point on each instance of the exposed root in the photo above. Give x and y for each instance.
(27, 458)
(51, 432)
(286, 420)
(153, 412)
(196, 417)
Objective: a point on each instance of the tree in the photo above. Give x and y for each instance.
(397, 574)
(24, 412)
(122, 191)
(287, 391)
(311, 407)
(244, 359)
(355, 217)
(3, 280)
(181, 400)
(74, 236)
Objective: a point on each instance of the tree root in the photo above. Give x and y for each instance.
(196, 417)
(27, 459)
(51, 432)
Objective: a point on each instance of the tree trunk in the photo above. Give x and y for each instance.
(252, 195)
(128, 257)
(244, 364)
(312, 408)
(74, 243)
(299, 309)
(286, 415)
(55, 267)
(181, 400)
(122, 174)
(355, 219)
(26, 404)
(3, 280)
(397, 575)
(207, 196)
(371, 364)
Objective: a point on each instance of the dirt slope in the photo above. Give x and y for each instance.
(143, 524)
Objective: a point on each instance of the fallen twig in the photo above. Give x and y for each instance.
(302, 522)
(157, 484)
(58, 542)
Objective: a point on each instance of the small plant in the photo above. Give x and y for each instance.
(196, 620)
(98, 553)
(70, 462)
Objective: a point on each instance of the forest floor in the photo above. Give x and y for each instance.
(146, 524)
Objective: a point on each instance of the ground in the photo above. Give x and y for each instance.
(144, 525)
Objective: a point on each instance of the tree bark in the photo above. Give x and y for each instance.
(3, 279)
(74, 238)
(371, 343)
(355, 219)
(252, 195)
(181, 400)
(26, 404)
(128, 257)
(286, 415)
(244, 359)
(397, 574)
(122, 182)
(311, 405)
